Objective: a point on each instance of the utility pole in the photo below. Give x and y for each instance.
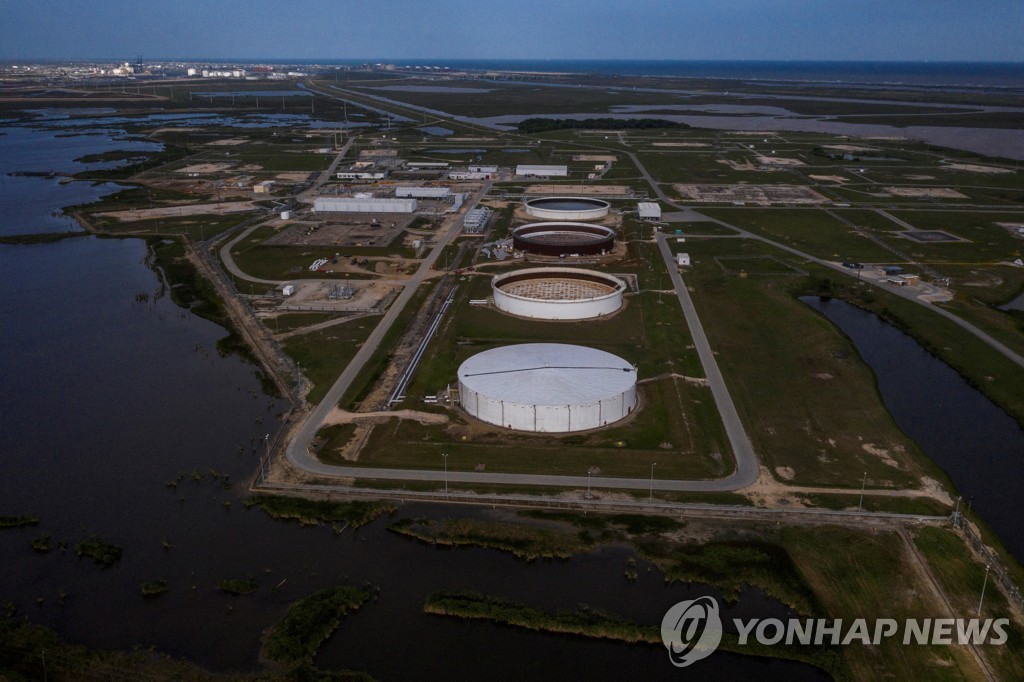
(863, 482)
(983, 586)
(445, 455)
(653, 464)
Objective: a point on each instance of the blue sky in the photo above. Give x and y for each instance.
(910, 30)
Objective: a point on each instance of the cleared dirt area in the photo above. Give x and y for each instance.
(316, 295)
(230, 142)
(926, 192)
(828, 178)
(205, 168)
(680, 144)
(779, 161)
(578, 190)
(975, 168)
(221, 208)
(760, 195)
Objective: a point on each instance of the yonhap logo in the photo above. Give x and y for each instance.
(691, 630)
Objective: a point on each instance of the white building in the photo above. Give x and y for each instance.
(649, 210)
(468, 175)
(547, 387)
(527, 170)
(683, 260)
(427, 165)
(423, 192)
(365, 205)
(362, 175)
(489, 170)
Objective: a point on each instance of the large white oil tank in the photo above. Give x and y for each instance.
(547, 387)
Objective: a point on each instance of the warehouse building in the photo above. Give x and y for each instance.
(527, 170)
(424, 192)
(363, 205)
(648, 210)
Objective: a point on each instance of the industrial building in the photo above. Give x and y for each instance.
(424, 192)
(489, 170)
(547, 387)
(476, 220)
(557, 293)
(563, 239)
(265, 187)
(363, 205)
(648, 210)
(528, 170)
(567, 208)
(362, 175)
(427, 165)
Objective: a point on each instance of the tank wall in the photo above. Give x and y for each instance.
(554, 214)
(547, 418)
(557, 310)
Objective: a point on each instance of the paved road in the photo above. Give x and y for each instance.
(747, 468)
(297, 449)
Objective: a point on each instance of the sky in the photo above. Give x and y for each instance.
(885, 30)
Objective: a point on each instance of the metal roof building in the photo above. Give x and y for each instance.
(649, 210)
(547, 387)
(543, 171)
(363, 205)
(423, 192)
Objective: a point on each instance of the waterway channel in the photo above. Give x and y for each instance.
(957, 426)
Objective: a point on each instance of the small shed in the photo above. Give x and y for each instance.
(682, 259)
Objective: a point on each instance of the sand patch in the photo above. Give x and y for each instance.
(975, 168)
(882, 453)
(577, 190)
(785, 473)
(230, 142)
(205, 168)
(680, 144)
(926, 192)
(779, 161)
(828, 178)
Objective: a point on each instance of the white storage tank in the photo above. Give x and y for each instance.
(286, 215)
(547, 387)
(557, 293)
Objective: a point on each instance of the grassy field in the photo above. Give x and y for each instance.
(811, 406)
(857, 574)
(322, 355)
(961, 576)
